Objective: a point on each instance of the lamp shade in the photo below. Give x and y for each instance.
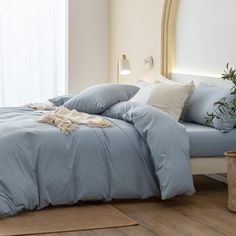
(124, 66)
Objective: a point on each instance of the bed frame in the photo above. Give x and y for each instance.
(208, 165)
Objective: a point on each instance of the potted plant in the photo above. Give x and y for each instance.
(227, 110)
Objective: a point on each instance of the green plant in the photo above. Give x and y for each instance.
(224, 109)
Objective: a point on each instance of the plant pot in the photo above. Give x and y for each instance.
(231, 176)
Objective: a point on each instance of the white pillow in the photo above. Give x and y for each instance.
(169, 98)
(143, 94)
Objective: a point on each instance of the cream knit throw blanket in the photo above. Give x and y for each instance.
(67, 120)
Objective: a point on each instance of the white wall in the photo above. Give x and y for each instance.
(206, 36)
(135, 31)
(88, 43)
(100, 31)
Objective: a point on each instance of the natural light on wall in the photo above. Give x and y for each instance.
(205, 36)
(32, 50)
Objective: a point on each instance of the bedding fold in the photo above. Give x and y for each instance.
(168, 144)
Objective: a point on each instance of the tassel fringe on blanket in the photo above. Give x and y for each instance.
(68, 120)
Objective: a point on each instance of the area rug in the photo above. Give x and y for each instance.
(65, 219)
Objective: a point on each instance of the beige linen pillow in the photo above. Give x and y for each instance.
(169, 98)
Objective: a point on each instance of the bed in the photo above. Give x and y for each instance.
(144, 153)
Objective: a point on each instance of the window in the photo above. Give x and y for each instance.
(32, 50)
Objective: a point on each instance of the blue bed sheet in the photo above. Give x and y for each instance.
(208, 141)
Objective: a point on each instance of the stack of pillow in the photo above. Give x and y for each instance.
(169, 96)
(166, 95)
(182, 101)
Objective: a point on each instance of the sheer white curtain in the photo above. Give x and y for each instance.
(32, 50)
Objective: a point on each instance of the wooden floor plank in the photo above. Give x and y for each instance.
(204, 214)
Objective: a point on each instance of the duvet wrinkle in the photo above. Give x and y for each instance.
(7, 193)
(37, 181)
(107, 150)
(139, 154)
(7, 206)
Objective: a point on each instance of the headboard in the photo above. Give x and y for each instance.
(210, 80)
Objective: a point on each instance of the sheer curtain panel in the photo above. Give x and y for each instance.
(32, 50)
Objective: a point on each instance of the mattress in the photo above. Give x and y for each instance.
(208, 141)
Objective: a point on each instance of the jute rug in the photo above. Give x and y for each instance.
(64, 219)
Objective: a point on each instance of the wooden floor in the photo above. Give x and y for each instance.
(205, 213)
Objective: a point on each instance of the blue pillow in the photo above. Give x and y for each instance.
(60, 100)
(202, 102)
(98, 98)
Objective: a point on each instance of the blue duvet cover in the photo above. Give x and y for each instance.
(145, 153)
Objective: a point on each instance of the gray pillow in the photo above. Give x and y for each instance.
(60, 100)
(202, 102)
(98, 98)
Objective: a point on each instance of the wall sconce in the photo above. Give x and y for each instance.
(123, 67)
(148, 62)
